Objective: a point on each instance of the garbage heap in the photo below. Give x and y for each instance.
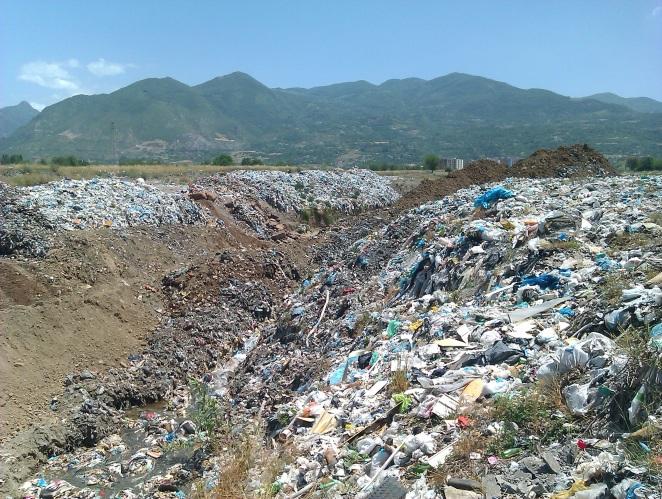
(510, 346)
(31, 216)
(343, 190)
(313, 197)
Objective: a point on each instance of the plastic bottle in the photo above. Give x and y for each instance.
(508, 453)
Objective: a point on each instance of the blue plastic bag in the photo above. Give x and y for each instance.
(544, 281)
(490, 197)
(567, 312)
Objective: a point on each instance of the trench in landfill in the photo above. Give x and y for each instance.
(135, 467)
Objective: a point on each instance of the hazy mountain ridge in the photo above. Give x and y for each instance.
(639, 104)
(396, 121)
(14, 117)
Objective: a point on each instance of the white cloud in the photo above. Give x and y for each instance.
(657, 11)
(37, 105)
(102, 67)
(50, 75)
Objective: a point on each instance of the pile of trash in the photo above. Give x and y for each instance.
(509, 348)
(345, 191)
(30, 216)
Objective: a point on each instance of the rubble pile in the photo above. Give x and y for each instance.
(30, 216)
(345, 191)
(508, 348)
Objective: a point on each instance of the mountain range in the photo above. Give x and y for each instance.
(456, 115)
(13, 117)
(639, 104)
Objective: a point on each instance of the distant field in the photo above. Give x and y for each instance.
(40, 174)
(33, 174)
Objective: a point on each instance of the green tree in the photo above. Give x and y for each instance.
(431, 162)
(646, 163)
(223, 160)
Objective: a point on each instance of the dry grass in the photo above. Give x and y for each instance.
(655, 218)
(612, 286)
(459, 464)
(565, 245)
(628, 241)
(248, 467)
(399, 382)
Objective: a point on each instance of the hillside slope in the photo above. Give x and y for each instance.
(13, 117)
(639, 104)
(397, 121)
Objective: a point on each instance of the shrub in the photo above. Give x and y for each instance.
(223, 160)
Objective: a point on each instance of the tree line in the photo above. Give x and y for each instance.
(17, 159)
(644, 164)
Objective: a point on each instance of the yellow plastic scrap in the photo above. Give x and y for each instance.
(566, 494)
(415, 326)
(473, 390)
(324, 423)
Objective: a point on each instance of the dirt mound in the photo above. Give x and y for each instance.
(476, 172)
(575, 161)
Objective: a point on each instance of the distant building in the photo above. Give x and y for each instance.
(451, 163)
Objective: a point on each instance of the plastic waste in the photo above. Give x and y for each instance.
(378, 460)
(577, 398)
(512, 452)
(618, 319)
(635, 411)
(626, 489)
(656, 337)
(392, 328)
(366, 445)
(543, 281)
(500, 352)
(566, 312)
(490, 197)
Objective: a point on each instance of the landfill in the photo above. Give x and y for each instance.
(31, 216)
(431, 359)
(501, 341)
(280, 205)
(346, 191)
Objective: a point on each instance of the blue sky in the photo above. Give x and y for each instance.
(50, 50)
